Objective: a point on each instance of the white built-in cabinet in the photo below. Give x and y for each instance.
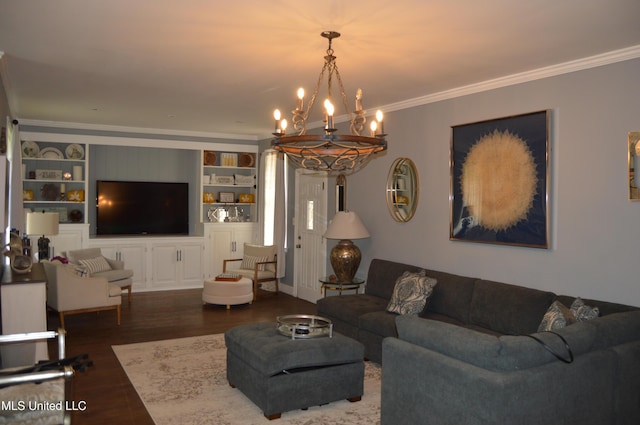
(177, 265)
(226, 241)
(225, 178)
(134, 255)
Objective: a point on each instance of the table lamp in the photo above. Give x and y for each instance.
(345, 256)
(42, 223)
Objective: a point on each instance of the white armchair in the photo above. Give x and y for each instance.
(259, 263)
(68, 293)
(115, 272)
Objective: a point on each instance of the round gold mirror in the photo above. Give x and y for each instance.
(403, 189)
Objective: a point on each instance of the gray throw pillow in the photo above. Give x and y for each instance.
(411, 292)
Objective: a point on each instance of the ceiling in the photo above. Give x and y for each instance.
(221, 67)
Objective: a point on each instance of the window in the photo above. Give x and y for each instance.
(273, 212)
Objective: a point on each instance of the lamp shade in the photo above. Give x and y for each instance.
(346, 225)
(42, 223)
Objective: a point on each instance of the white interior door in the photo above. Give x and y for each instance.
(310, 224)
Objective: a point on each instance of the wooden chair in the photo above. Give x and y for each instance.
(259, 263)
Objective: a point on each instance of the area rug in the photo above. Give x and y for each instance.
(183, 381)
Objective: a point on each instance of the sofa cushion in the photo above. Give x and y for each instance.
(114, 275)
(557, 317)
(382, 276)
(95, 265)
(349, 308)
(411, 292)
(508, 309)
(452, 296)
(504, 353)
(379, 323)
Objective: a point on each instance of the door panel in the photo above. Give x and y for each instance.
(311, 222)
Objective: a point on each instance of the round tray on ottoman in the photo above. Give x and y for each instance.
(304, 326)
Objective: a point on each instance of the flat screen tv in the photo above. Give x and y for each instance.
(142, 208)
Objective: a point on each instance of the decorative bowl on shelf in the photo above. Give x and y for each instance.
(210, 158)
(247, 160)
(75, 216)
(50, 192)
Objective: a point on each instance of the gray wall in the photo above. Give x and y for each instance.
(595, 230)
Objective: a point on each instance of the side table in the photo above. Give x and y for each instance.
(337, 285)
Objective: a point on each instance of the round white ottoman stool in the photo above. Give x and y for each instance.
(228, 293)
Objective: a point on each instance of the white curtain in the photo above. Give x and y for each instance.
(16, 209)
(274, 219)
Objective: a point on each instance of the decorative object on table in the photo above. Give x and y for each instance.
(44, 224)
(224, 180)
(345, 256)
(208, 198)
(50, 153)
(27, 195)
(75, 216)
(634, 165)
(304, 326)
(229, 159)
(246, 198)
(74, 151)
(48, 174)
(329, 151)
(228, 277)
(403, 190)
(227, 197)
(241, 179)
(19, 262)
(209, 158)
(50, 192)
(76, 195)
(500, 180)
(247, 160)
(30, 149)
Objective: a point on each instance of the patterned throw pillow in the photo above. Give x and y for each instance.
(582, 311)
(411, 293)
(249, 262)
(557, 317)
(95, 265)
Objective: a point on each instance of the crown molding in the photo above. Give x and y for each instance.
(608, 58)
(137, 130)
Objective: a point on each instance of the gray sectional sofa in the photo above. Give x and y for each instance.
(467, 359)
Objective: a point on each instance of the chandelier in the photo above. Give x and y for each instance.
(329, 151)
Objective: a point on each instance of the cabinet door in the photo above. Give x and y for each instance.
(242, 235)
(69, 238)
(220, 243)
(165, 265)
(134, 257)
(191, 263)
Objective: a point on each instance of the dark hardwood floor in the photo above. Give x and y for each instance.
(109, 396)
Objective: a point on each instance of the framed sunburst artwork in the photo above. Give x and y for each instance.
(500, 181)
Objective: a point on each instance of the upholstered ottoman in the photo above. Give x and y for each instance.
(228, 293)
(280, 374)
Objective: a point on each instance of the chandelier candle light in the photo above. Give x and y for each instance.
(329, 151)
